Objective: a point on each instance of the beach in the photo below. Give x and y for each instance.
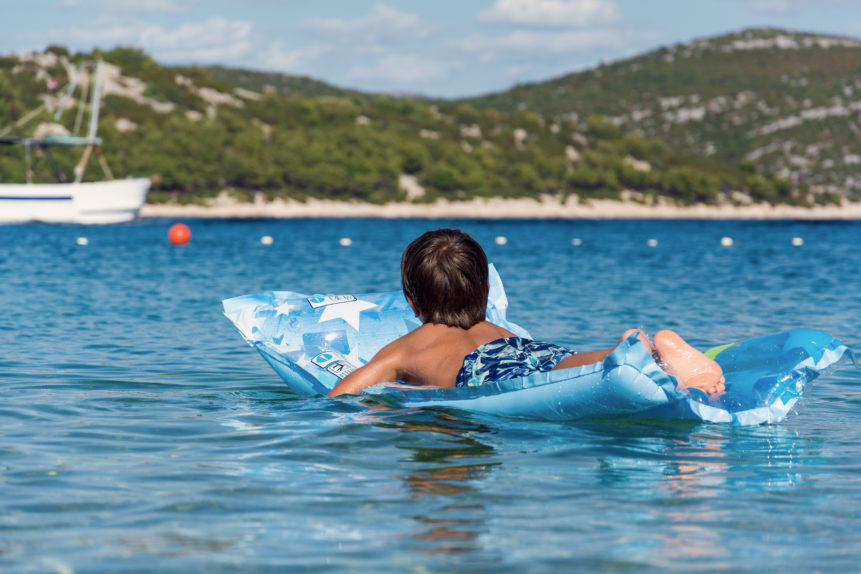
(547, 207)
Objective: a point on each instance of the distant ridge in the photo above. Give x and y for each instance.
(787, 102)
(201, 132)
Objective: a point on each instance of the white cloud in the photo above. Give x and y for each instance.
(131, 6)
(784, 7)
(775, 6)
(384, 24)
(550, 13)
(407, 69)
(166, 6)
(214, 40)
(295, 61)
(529, 43)
(382, 46)
(104, 32)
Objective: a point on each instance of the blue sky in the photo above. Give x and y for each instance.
(447, 48)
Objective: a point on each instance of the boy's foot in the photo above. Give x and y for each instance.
(687, 364)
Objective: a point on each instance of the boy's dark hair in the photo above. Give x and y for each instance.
(444, 274)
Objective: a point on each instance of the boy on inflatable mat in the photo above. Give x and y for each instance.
(445, 281)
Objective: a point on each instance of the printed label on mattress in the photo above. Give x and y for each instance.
(337, 366)
(317, 302)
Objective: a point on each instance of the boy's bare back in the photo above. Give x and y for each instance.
(430, 355)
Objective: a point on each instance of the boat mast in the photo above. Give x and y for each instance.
(97, 101)
(67, 95)
(29, 167)
(83, 98)
(94, 123)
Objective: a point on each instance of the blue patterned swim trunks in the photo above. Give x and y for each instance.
(508, 358)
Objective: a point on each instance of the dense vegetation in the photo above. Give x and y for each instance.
(787, 102)
(299, 138)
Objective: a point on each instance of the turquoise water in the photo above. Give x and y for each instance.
(139, 433)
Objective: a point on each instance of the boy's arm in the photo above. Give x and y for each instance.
(382, 368)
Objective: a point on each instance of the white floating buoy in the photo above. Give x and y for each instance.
(652, 242)
(501, 240)
(797, 241)
(576, 241)
(267, 240)
(82, 241)
(726, 241)
(345, 241)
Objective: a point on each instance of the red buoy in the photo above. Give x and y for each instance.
(179, 234)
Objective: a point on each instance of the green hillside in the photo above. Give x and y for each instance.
(271, 82)
(199, 131)
(787, 103)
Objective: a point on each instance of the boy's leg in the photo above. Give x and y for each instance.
(691, 367)
(589, 357)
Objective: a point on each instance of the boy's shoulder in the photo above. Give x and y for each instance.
(421, 335)
(423, 338)
(421, 346)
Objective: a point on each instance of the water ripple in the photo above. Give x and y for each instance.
(139, 433)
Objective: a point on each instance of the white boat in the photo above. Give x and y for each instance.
(91, 202)
(87, 202)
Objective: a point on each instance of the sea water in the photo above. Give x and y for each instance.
(138, 432)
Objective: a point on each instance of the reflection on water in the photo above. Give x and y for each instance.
(698, 478)
(692, 459)
(448, 461)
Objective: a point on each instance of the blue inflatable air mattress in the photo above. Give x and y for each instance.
(313, 341)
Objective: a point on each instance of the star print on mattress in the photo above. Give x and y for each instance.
(347, 311)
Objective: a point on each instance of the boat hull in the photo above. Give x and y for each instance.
(100, 202)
